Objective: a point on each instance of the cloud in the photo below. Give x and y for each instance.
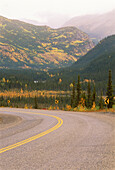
(52, 12)
(51, 19)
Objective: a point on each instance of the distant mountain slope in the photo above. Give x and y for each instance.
(104, 47)
(99, 26)
(94, 65)
(24, 45)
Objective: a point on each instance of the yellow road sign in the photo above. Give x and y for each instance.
(106, 101)
(56, 101)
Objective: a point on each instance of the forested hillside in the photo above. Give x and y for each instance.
(94, 65)
(24, 45)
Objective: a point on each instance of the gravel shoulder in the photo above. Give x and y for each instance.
(7, 120)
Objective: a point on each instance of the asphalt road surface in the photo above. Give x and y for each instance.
(57, 140)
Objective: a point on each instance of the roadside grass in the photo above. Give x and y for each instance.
(114, 107)
(81, 108)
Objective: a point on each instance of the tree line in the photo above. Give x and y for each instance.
(89, 98)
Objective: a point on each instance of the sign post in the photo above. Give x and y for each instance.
(106, 103)
(56, 102)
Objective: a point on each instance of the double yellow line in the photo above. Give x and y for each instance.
(60, 122)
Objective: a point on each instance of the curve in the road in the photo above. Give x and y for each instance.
(60, 122)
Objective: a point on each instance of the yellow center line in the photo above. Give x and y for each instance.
(60, 122)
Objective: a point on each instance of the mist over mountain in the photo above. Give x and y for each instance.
(97, 26)
(50, 19)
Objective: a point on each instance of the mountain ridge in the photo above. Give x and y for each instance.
(93, 66)
(95, 25)
(25, 45)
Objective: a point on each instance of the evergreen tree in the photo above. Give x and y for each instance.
(36, 105)
(101, 101)
(78, 96)
(73, 95)
(94, 94)
(83, 95)
(89, 101)
(109, 92)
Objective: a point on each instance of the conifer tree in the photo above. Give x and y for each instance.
(101, 101)
(73, 95)
(36, 105)
(94, 94)
(109, 92)
(78, 96)
(84, 97)
(89, 101)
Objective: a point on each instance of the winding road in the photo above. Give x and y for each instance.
(57, 140)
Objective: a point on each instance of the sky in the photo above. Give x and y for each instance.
(52, 12)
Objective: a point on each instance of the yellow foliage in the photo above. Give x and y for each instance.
(26, 85)
(1, 36)
(25, 30)
(55, 49)
(82, 102)
(50, 108)
(25, 107)
(61, 36)
(80, 108)
(14, 59)
(51, 75)
(71, 85)
(93, 107)
(44, 44)
(76, 42)
(60, 80)
(67, 46)
(55, 43)
(57, 108)
(68, 107)
(39, 46)
(31, 62)
(30, 107)
(21, 90)
(13, 94)
(4, 80)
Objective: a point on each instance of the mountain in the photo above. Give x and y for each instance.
(104, 48)
(24, 45)
(94, 65)
(97, 26)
